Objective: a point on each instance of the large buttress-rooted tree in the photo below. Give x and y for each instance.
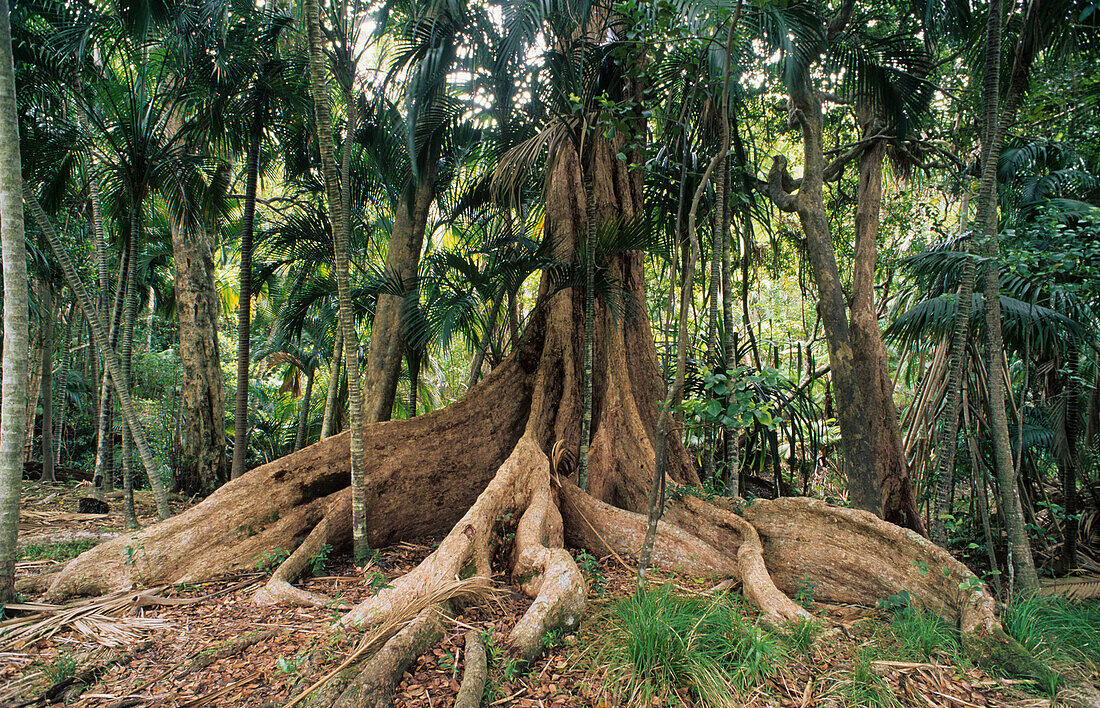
(467, 469)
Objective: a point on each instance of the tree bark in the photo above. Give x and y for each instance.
(47, 305)
(61, 398)
(202, 391)
(337, 218)
(871, 363)
(303, 414)
(15, 361)
(244, 303)
(332, 416)
(387, 339)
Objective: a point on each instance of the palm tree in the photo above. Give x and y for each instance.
(334, 198)
(12, 418)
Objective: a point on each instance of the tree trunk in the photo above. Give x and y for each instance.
(871, 363)
(104, 479)
(14, 397)
(126, 351)
(1071, 421)
(303, 414)
(47, 305)
(483, 346)
(244, 303)
(337, 218)
(329, 423)
(61, 399)
(201, 467)
(387, 340)
(414, 382)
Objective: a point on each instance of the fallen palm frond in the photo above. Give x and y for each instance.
(58, 516)
(470, 589)
(105, 619)
(1084, 587)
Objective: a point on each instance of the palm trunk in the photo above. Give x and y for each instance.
(340, 232)
(244, 304)
(730, 435)
(15, 360)
(589, 334)
(46, 303)
(104, 479)
(328, 424)
(303, 414)
(125, 353)
(414, 383)
(72, 279)
(61, 397)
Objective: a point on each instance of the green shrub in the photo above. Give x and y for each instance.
(1061, 633)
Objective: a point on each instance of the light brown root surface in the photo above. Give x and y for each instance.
(334, 530)
(541, 566)
(474, 673)
(371, 683)
(451, 453)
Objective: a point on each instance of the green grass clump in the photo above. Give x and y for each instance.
(661, 645)
(865, 688)
(801, 636)
(922, 635)
(61, 551)
(61, 668)
(1058, 632)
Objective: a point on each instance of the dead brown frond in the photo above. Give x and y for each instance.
(107, 620)
(470, 589)
(1084, 587)
(520, 161)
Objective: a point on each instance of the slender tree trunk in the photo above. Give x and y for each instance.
(72, 279)
(61, 398)
(34, 383)
(731, 433)
(483, 345)
(244, 303)
(589, 337)
(104, 479)
(414, 383)
(871, 362)
(126, 356)
(47, 304)
(303, 414)
(14, 397)
(329, 423)
(317, 74)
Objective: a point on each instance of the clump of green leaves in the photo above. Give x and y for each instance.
(271, 559)
(801, 636)
(318, 562)
(661, 643)
(919, 633)
(1056, 631)
(591, 567)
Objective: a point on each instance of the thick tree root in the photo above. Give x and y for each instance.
(541, 566)
(474, 673)
(334, 530)
(371, 684)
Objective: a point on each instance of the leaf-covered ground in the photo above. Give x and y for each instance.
(220, 649)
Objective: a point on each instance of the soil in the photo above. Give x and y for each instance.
(299, 643)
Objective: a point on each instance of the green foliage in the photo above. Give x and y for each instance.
(805, 594)
(921, 635)
(270, 560)
(60, 551)
(318, 562)
(61, 668)
(591, 567)
(1057, 631)
(660, 642)
(865, 688)
(801, 636)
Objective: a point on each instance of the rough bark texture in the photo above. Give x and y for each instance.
(202, 467)
(46, 301)
(387, 342)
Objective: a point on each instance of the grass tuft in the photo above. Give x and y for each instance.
(61, 551)
(865, 688)
(1061, 633)
(921, 636)
(662, 645)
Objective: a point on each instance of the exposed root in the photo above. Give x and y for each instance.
(544, 569)
(602, 528)
(759, 588)
(334, 529)
(372, 686)
(475, 672)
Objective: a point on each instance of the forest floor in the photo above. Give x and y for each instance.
(217, 648)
